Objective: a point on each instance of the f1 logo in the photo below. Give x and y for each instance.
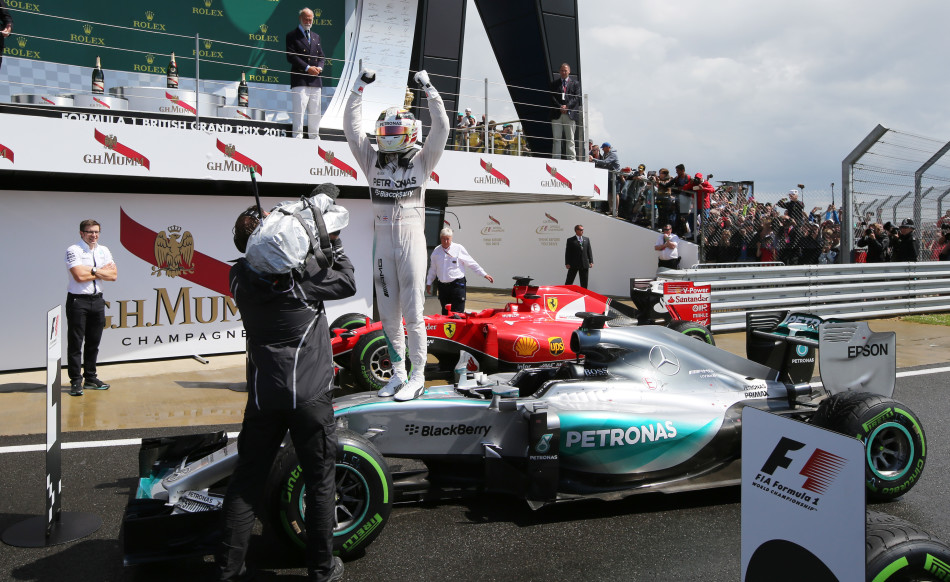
(779, 456)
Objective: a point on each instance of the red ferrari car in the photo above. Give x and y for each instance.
(532, 331)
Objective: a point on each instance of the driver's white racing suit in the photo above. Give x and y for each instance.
(397, 185)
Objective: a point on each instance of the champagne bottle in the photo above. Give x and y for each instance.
(243, 97)
(172, 74)
(98, 79)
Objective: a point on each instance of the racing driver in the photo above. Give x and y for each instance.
(397, 176)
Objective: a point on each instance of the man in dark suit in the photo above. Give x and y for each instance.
(305, 56)
(566, 98)
(578, 256)
(6, 25)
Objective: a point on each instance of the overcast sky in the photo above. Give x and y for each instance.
(775, 92)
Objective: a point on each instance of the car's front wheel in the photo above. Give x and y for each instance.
(363, 496)
(371, 362)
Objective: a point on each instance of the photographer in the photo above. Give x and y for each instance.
(795, 207)
(944, 240)
(876, 241)
(907, 246)
(289, 376)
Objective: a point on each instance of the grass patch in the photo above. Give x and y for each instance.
(930, 319)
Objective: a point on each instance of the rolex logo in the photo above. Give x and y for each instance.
(87, 28)
(317, 12)
(207, 3)
(150, 58)
(149, 15)
(264, 28)
(21, 40)
(207, 44)
(263, 69)
(110, 141)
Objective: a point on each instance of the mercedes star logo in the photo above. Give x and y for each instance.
(664, 360)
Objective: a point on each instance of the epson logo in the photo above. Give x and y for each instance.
(865, 351)
(462, 429)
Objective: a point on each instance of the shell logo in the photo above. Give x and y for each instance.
(526, 346)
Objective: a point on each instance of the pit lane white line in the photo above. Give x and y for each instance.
(129, 442)
(82, 445)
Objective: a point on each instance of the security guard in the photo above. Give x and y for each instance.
(89, 264)
(447, 264)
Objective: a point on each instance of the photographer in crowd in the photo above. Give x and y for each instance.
(877, 243)
(907, 245)
(944, 240)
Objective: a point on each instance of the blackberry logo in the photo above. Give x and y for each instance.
(428, 430)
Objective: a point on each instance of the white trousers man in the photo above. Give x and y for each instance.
(563, 128)
(306, 98)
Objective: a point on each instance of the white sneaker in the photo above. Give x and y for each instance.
(414, 388)
(390, 388)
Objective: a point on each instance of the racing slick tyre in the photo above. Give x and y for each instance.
(348, 321)
(370, 362)
(898, 551)
(363, 496)
(693, 330)
(894, 440)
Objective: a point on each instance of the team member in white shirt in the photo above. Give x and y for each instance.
(447, 264)
(89, 264)
(667, 245)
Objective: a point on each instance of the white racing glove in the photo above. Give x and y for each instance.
(422, 78)
(367, 76)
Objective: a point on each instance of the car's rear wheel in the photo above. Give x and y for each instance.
(363, 496)
(894, 440)
(899, 551)
(693, 330)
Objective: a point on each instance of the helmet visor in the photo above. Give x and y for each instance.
(394, 130)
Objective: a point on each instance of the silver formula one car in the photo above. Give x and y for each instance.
(641, 409)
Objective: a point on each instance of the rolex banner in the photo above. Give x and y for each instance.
(137, 36)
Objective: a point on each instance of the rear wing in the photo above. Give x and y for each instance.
(850, 356)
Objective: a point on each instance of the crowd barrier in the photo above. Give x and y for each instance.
(858, 291)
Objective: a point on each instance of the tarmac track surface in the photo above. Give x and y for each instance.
(688, 536)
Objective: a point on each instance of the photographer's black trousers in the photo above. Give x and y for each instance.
(313, 431)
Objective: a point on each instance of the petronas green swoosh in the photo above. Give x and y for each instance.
(690, 437)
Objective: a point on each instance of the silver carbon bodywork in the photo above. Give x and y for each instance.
(648, 408)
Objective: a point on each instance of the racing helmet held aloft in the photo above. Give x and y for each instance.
(396, 130)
